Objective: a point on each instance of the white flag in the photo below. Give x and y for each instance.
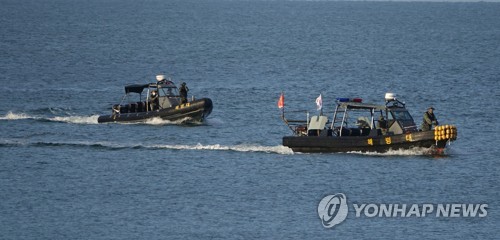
(319, 102)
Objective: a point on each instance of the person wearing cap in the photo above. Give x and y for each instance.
(429, 119)
(183, 91)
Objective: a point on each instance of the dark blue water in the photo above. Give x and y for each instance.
(63, 63)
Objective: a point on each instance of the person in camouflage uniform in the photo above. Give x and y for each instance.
(429, 120)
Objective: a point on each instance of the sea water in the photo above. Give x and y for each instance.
(64, 63)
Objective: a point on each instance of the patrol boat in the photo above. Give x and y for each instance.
(160, 99)
(363, 127)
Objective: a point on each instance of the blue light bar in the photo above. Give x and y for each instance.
(358, 100)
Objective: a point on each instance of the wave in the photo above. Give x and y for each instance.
(117, 146)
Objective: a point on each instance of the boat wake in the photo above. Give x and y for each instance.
(10, 116)
(117, 146)
(208, 147)
(417, 151)
(76, 119)
(159, 121)
(16, 116)
(67, 119)
(214, 121)
(237, 148)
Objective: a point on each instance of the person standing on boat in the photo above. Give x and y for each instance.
(154, 100)
(183, 91)
(382, 124)
(429, 120)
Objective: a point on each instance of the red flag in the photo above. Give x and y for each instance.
(281, 101)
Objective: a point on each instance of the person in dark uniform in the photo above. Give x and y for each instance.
(183, 91)
(154, 100)
(382, 124)
(429, 120)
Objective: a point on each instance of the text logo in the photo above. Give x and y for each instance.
(421, 210)
(332, 210)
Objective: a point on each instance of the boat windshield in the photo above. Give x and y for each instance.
(168, 89)
(169, 92)
(402, 115)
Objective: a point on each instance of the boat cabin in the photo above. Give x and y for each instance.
(148, 97)
(352, 117)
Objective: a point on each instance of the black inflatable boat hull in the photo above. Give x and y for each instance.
(194, 111)
(310, 144)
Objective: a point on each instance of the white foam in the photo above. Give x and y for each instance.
(68, 119)
(76, 119)
(16, 116)
(160, 121)
(89, 119)
(157, 121)
(214, 121)
(400, 152)
(238, 148)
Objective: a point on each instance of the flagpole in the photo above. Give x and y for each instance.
(321, 110)
(281, 104)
